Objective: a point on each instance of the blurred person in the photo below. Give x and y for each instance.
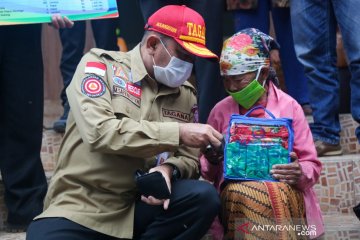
(131, 111)
(21, 104)
(314, 28)
(245, 63)
(208, 82)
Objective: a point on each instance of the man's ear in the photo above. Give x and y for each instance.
(151, 44)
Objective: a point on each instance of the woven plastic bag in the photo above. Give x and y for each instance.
(254, 145)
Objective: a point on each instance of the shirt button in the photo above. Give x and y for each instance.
(127, 109)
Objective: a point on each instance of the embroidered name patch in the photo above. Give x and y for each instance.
(124, 93)
(93, 86)
(176, 114)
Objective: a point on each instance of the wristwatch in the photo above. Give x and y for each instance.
(175, 173)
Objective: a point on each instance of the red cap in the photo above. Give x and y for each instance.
(184, 25)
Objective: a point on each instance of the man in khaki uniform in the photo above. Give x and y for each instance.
(134, 111)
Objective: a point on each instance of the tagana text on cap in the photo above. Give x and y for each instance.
(184, 25)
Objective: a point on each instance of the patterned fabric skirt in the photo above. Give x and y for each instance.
(262, 210)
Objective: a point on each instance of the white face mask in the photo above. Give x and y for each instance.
(175, 73)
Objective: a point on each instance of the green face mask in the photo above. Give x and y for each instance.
(248, 96)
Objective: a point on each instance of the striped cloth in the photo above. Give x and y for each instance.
(253, 210)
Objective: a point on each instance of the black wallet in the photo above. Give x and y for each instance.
(152, 184)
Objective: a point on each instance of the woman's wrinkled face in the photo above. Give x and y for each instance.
(238, 82)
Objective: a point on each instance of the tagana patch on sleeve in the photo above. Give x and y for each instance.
(97, 68)
(93, 86)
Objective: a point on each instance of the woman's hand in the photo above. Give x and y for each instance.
(288, 173)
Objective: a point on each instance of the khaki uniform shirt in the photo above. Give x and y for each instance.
(120, 121)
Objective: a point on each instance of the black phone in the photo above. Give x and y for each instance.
(211, 150)
(152, 184)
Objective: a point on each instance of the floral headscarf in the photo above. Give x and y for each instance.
(246, 51)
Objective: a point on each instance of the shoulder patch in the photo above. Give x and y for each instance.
(133, 89)
(93, 86)
(120, 82)
(119, 72)
(119, 91)
(97, 68)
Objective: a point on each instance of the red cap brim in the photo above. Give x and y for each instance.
(197, 49)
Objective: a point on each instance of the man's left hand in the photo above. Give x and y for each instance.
(166, 171)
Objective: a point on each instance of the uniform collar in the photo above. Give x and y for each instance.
(138, 70)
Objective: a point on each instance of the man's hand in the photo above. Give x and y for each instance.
(199, 135)
(288, 173)
(57, 21)
(166, 171)
(214, 156)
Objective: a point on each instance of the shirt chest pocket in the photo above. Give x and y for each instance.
(122, 108)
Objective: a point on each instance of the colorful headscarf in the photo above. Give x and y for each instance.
(246, 51)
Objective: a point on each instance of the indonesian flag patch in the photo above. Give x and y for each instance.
(97, 68)
(93, 86)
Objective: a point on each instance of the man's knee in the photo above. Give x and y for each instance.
(209, 197)
(204, 196)
(55, 228)
(35, 230)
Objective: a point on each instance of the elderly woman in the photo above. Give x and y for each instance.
(249, 80)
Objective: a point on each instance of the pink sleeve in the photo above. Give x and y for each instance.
(305, 149)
